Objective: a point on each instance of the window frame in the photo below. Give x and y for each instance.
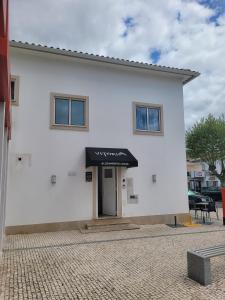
(148, 132)
(16, 81)
(70, 97)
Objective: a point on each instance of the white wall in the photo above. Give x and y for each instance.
(3, 172)
(111, 91)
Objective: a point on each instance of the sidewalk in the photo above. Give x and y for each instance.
(149, 263)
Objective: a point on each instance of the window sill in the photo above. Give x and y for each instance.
(14, 102)
(142, 132)
(69, 127)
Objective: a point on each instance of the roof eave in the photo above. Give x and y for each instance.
(186, 75)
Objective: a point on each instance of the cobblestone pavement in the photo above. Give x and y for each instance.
(149, 263)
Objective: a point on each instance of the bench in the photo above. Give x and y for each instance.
(198, 263)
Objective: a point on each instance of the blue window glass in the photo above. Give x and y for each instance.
(77, 112)
(61, 111)
(141, 118)
(154, 119)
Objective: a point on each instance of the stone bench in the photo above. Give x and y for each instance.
(198, 263)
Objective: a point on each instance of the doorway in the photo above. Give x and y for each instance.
(107, 191)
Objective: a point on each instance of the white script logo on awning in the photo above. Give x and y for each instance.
(105, 154)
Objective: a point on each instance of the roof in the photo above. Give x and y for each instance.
(186, 74)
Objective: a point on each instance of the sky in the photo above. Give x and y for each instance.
(179, 33)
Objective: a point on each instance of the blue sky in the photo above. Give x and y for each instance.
(218, 6)
(178, 33)
(155, 55)
(214, 4)
(130, 25)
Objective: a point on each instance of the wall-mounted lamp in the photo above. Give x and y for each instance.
(154, 178)
(53, 179)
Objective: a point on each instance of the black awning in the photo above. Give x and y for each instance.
(110, 157)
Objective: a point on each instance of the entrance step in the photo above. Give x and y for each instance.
(110, 226)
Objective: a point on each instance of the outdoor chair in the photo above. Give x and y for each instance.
(209, 208)
(218, 205)
(196, 209)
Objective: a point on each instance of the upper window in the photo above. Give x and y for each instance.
(15, 90)
(69, 111)
(148, 119)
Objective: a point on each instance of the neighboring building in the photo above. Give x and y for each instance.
(94, 137)
(4, 113)
(199, 178)
(195, 175)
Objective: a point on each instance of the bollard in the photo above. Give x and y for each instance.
(175, 221)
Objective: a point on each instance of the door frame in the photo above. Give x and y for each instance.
(118, 193)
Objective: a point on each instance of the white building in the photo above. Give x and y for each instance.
(199, 177)
(5, 114)
(130, 113)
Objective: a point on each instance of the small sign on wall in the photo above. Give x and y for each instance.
(133, 199)
(88, 176)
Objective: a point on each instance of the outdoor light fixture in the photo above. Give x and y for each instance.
(154, 178)
(53, 179)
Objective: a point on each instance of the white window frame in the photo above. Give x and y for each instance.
(85, 99)
(147, 131)
(16, 80)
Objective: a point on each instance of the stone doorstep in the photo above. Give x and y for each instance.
(92, 228)
(106, 221)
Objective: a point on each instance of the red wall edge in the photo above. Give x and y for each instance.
(4, 62)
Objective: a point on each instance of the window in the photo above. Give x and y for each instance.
(69, 112)
(15, 90)
(108, 173)
(148, 118)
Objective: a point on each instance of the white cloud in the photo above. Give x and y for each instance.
(180, 29)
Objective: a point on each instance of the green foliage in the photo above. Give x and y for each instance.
(206, 141)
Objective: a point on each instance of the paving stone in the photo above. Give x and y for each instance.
(149, 263)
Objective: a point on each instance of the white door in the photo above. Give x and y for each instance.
(109, 199)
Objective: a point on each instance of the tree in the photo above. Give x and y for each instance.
(206, 141)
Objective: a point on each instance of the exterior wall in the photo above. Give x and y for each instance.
(194, 166)
(5, 111)
(44, 151)
(2, 123)
(3, 170)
